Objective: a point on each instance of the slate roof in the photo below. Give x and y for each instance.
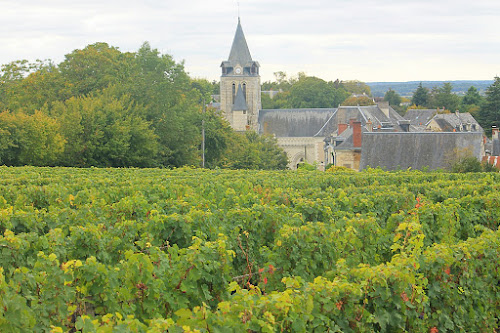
(347, 143)
(240, 104)
(240, 54)
(444, 125)
(294, 122)
(364, 114)
(419, 117)
(417, 150)
(321, 122)
(450, 121)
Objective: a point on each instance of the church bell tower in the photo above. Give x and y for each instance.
(240, 94)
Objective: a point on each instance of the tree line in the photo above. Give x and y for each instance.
(106, 108)
(303, 91)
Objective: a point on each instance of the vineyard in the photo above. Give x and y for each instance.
(191, 250)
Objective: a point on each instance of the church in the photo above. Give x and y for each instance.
(323, 136)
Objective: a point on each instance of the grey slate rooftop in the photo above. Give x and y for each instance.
(419, 117)
(435, 150)
(294, 122)
(450, 121)
(240, 54)
(321, 122)
(239, 102)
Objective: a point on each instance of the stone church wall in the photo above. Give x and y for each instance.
(303, 149)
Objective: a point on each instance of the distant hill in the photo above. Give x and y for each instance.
(406, 89)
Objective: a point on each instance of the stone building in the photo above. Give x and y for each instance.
(240, 91)
(351, 136)
(306, 135)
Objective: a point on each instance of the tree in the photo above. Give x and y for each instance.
(442, 97)
(106, 131)
(472, 101)
(420, 96)
(253, 151)
(95, 67)
(30, 139)
(218, 136)
(172, 105)
(472, 97)
(489, 114)
(361, 101)
(313, 92)
(29, 86)
(392, 97)
(356, 87)
(281, 82)
(279, 101)
(463, 160)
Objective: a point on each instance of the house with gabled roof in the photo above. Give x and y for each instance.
(453, 122)
(419, 117)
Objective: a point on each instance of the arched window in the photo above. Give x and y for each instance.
(245, 90)
(234, 93)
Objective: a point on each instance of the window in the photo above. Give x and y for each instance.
(245, 91)
(234, 93)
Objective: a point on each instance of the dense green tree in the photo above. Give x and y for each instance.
(218, 136)
(103, 130)
(172, 105)
(392, 97)
(282, 82)
(358, 100)
(356, 87)
(29, 139)
(29, 86)
(102, 107)
(313, 92)
(420, 96)
(471, 102)
(250, 150)
(95, 68)
(279, 101)
(472, 97)
(203, 88)
(442, 97)
(489, 114)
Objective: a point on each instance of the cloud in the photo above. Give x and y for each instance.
(382, 40)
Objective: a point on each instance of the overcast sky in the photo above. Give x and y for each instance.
(368, 40)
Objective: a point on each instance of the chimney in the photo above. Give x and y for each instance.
(369, 125)
(404, 124)
(341, 128)
(351, 121)
(384, 107)
(494, 133)
(356, 134)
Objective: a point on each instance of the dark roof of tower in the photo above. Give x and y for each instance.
(240, 54)
(239, 102)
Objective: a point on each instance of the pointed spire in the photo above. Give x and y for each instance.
(240, 54)
(240, 104)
